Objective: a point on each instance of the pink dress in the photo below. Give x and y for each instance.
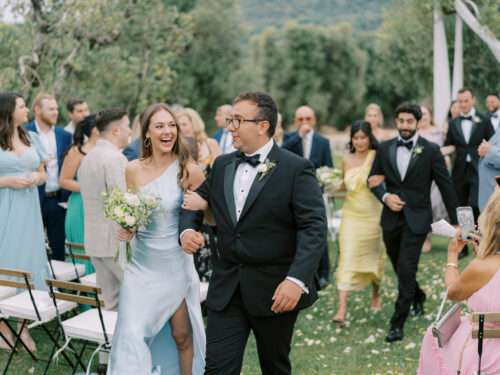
(446, 360)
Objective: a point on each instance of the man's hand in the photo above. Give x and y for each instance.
(304, 129)
(484, 148)
(394, 202)
(192, 241)
(193, 202)
(286, 297)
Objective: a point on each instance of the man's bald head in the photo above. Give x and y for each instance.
(223, 112)
(305, 115)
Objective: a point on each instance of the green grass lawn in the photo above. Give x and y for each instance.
(319, 347)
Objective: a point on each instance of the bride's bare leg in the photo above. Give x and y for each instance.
(342, 308)
(183, 336)
(376, 304)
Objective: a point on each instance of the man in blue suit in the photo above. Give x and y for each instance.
(489, 168)
(133, 150)
(309, 144)
(222, 135)
(56, 141)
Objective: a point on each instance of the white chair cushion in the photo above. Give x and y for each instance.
(20, 306)
(203, 291)
(65, 271)
(87, 326)
(89, 280)
(6, 292)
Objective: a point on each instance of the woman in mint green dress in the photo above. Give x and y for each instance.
(22, 158)
(84, 140)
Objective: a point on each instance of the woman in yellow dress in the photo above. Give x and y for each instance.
(362, 257)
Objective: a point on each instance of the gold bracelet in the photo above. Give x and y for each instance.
(454, 265)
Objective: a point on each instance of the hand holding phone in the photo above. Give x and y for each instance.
(465, 217)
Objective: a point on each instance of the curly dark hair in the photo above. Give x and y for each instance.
(365, 128)
(7, 126)
(411, 108)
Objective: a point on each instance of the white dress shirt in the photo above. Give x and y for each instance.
(307, 144)
(70, 128)
(243, 180)
(48, 140)
(226, 142)
(403, 156)
(467, 128)
(495, 119)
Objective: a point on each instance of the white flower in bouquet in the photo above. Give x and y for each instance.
(330, 179)
(130, 210)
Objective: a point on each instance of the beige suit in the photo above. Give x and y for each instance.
(102, 169)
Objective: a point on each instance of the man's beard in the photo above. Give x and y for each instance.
(47, 120)
(407, 134)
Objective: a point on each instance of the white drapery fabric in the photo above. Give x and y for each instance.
(441, 65)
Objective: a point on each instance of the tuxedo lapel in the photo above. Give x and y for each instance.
(414, 157)
(458, 126)
(229, 172)
(393, 151)
(259, 182)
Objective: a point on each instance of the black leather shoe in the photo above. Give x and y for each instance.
(417, 308)
(395, 334)
(102, 369)
(322, 283)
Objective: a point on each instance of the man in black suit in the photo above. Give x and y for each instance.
(271, 229)
(409, 164)
(466, 133)
(309, 144)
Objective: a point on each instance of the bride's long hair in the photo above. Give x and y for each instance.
(179, 149)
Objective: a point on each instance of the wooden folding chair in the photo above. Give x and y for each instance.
(29, 306)
(67, 271)
(89, 279)
(94, 326)
(488, 327)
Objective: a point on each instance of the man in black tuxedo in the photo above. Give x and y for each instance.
(309, 144)
(466, 133)
(409, 164)
(271, 229)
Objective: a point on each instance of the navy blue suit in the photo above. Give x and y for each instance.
(133, 150)
(54, 215)
(321, 156)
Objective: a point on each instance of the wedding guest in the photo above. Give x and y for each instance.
(22, 161)
(466, 133)
(279, 134)
(361, 260)
(56, 142)
(309, 144)
(74, 224)
(77, 109)
(101, 170)
(375, 117)
(476, 285)
(133, 149)
(409, 164)
(192, 126)
(160, 284)
(488, 168)
(428, 130)
(493, 107)
(222, 135)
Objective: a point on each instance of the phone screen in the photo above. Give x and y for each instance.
(465, 217)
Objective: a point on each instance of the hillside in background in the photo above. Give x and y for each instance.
(364, 15)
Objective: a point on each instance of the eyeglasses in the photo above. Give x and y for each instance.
(236, 122)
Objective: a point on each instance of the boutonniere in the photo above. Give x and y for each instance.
(476, 119)
(418, 150)
(265, 167)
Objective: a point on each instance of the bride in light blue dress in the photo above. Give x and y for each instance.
(160, 328)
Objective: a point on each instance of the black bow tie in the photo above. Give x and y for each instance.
(253, 160)
(466, 118)
(408, 145)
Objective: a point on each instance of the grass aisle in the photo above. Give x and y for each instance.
(319, 347)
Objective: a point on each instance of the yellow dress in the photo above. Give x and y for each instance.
(362, 254)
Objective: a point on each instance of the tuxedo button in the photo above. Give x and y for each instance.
(238, 236)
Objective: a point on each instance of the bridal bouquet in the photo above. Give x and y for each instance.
(330, 179)
(130, 210)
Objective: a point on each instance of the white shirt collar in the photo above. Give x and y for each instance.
(264, 150)
(39, 131)
(106, 143)
(472, 113)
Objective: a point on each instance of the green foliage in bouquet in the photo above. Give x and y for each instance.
(330, 179)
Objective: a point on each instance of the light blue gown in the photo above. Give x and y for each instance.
(22, 240)
(159, 277)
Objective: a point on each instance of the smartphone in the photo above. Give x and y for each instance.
(465, 217)
(497, 178)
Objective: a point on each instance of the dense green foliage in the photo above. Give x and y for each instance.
(335, 55)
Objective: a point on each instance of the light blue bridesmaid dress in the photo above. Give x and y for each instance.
(159, 277)
(22, 240)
